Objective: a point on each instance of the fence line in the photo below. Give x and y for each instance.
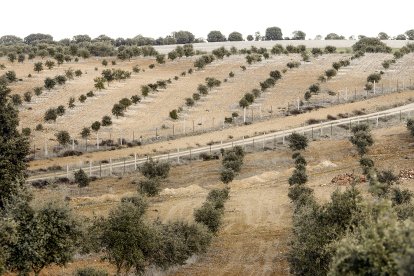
(105, 140)
(109, 168)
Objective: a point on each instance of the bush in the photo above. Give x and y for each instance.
(307, 95)
(90, 271)
(209, 216)
(292, 64)
(90, 94)
(218, 197)
(202, 89)
(314, 88)
(330, 49)
(60, 110)
(330, 73)
(150, 187)
(81, 178)
(196, 96)
(50, 115)
(155, 169)
(106, 121)
(227, 175)
(369, 86)
(50, 83)
(39, 127)
(361, 138)
(275, 74)
(71, 153)
(374, 77)
(38, 90)
(299, 176)
(297, 141)
(78, 73)
(27, 97)
(249, 97)
(316, 52)
(189, 101)
(16, 99)
(82, 98)
(174, 114)
(60, 79)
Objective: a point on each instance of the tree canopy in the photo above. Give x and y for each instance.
(215, 36)
(273, 33)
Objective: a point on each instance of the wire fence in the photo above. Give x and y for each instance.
(325, 130)
(259, 111)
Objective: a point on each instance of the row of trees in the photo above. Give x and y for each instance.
(351, 234)
(178, 37)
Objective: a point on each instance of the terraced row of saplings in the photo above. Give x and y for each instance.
(138, 100)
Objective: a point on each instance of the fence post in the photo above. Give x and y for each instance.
(135, 161)
(110, 166)
(90, 168)
(46, 153)
(97, 141)
(312, 132)
(67, 171)
(377, 122)
(331, 130)
(264, 133)
(178, 155)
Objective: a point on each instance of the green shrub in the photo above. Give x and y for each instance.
(150, 187)
(81, 178)
(209, 216)
(155, 169)
(174, 114)
(90, 271)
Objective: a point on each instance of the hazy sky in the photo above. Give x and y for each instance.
(154, 18)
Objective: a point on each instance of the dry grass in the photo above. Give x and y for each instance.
(255, 233)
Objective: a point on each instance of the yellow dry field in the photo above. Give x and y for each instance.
(254, 236)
